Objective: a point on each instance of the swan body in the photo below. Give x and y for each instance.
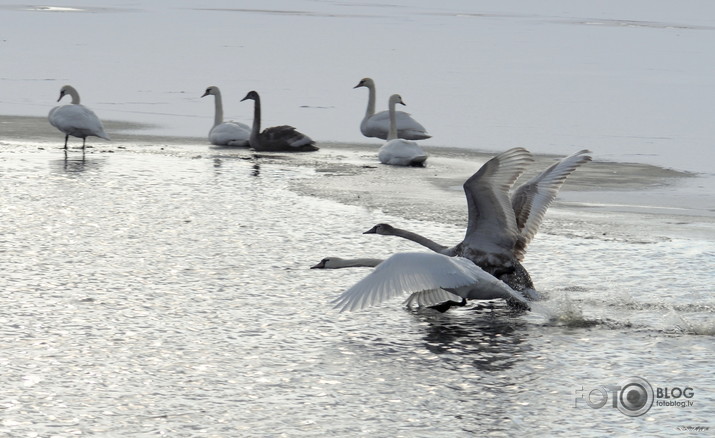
(378, 124)
(225, 133)
(278, 138)
(500, 225)
(76, 119)
(426, 274)
(396, 151)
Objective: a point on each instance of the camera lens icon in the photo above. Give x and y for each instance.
(636, 396)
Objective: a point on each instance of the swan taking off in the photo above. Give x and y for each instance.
(430, 278)
(397, 151)
(228, 133)
(278, 138)
(500, 225)
(378, 125)
(75, 119)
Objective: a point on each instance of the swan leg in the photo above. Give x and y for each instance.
(443, 307)
(67, 137)
(84, 139)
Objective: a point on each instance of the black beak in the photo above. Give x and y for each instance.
(372, 230)
(206, 93)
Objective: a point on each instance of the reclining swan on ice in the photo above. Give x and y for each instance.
(75, 119)
(396, 151)
(227, 133)
(430, 278)
(501, 226)
(278, 138)
(378, 125)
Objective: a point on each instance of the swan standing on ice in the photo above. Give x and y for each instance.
(75, 119)
(501, 226)
(397, 151)
(278, 138)
(228, 133)
(378, 125)
(430, 278)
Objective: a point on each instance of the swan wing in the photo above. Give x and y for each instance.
(77, 120)
(230, 134)
(405, 273)
(491, 218)
(401, 153)
(286, 136)
(378, 125)
(531, 199)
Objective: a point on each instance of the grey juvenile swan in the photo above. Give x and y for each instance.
(501, 226)
(378, 125)
(227, 133)
(76, 119)
(278, 138)
(429, 278)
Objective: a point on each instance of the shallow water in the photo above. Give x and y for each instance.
(165, 291)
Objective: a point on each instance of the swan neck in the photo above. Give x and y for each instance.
(359, 263)
(409, 235)
(218, 104)
(74, 94)
(392, 133)
(370, 101)
(253, 140)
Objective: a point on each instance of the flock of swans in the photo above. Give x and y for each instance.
(397, 127)
(501, 223)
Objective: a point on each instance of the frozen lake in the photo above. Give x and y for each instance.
(631, 81)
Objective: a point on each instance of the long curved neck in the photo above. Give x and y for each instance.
(74, 94)
(256, 122)
(218, 104)
(409, 235)
(357, 263)
(370, 101)
(392, 134)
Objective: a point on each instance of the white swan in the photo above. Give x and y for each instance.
(501, 226)
(278, 138)
(430, 278)
(397, 151)
(227, 133)
(75, 119)
(378, 125)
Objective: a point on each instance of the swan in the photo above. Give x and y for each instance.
(75, 119)
(430, 278)
(378, 125)
(278, 138)
(228, 133)
(397, 151)
(501, 226)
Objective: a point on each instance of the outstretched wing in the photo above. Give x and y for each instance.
(406, 273)
(492, 225)
(531, 199)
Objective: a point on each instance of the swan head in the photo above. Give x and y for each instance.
(212, 90)
(65, 90)
(252, 95)
(329, 263)
(384, 229)
(365, 82)
(395, 99)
